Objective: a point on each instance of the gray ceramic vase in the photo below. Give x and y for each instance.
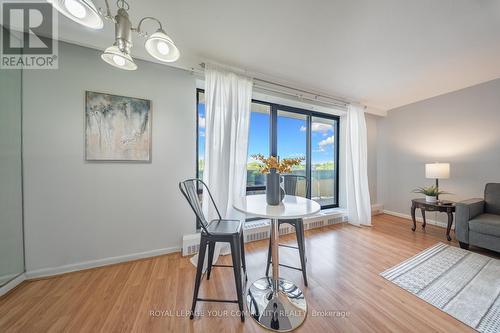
(274, 192)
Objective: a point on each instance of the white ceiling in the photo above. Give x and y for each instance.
(383, 53)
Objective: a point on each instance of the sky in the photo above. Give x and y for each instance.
(291, 136)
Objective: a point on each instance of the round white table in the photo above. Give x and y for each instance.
(276, 303)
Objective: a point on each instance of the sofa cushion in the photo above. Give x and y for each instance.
(492, 198)
(488, 224)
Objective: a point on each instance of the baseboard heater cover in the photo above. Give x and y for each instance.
(258, 230)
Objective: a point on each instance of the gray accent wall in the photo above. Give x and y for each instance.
(462, 128)
(77, 211)
(11, 196)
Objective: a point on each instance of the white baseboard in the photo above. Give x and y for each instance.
(50, 271)
(12, 284)
(419, 219)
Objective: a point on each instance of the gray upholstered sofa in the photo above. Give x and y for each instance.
(478, 220)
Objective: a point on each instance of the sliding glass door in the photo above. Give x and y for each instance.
(286, 132)
(258, 143)
(291, 142)
(324, 161)
(313, 136)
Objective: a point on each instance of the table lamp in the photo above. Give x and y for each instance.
(437, 171)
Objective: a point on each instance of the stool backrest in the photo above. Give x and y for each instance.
(192, 190)
(295, 185)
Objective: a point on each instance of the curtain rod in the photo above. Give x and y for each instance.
(295, 92)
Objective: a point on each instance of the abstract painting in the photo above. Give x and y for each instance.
(118, 128)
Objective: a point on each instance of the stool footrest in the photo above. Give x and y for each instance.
(215, 265)
(216, 300)
(296, 268)
(289, 246)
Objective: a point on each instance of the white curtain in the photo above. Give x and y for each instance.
(228, 98)
(356, 169)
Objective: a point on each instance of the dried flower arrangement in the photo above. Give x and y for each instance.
(273, 162)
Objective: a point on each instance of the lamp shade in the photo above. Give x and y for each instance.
(437, 170)
(161, 47)
(113, 56)
(80, 11)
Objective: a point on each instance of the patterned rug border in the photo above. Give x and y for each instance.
(429, 250)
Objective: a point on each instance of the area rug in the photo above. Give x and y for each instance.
(464, 284)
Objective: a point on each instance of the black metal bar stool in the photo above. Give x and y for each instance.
(290, 185)
(218, 230)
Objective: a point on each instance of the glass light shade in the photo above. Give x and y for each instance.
(80, 11)
(113, 56)
(161, 47)
(437, 170)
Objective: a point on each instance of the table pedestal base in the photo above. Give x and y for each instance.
(282, 312)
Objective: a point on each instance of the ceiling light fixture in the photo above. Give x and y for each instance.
(115, 57)
(80, 11)
(159, 45)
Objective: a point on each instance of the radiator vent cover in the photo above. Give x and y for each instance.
(259, 230)
(314, 224)
(250, 237)
(336, 219)
(192, 249)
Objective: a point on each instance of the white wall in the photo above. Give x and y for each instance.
(77, 211)
(460, 127)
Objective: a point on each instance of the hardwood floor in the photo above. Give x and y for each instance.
(153, 295)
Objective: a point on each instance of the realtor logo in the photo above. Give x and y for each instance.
(29, 35)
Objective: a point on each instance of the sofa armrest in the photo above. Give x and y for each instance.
(465, 211)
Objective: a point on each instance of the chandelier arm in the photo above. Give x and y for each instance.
(107, 15)
(138, 29)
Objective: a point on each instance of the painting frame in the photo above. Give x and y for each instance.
(117, 160)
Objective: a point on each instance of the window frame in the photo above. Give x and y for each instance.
(273, 140)
(198, 90)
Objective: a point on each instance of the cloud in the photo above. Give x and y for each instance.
(201, 122)
(326, 142)
(318, 127)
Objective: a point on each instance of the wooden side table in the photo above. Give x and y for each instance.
(444, 206)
